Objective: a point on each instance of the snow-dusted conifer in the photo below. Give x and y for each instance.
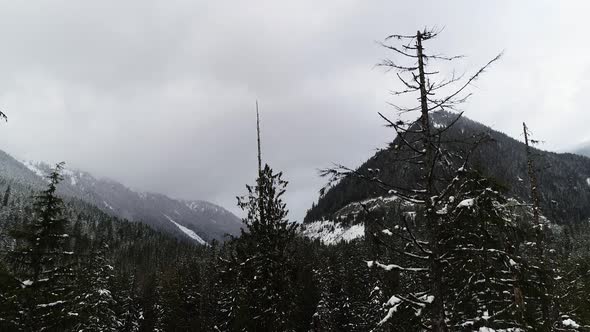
(265, 255)
(94, 302)
(43, 258)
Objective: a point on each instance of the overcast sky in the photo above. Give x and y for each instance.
(159, 95)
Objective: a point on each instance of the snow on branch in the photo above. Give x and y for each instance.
(390, 267)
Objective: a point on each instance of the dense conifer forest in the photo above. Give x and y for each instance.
(465, 229)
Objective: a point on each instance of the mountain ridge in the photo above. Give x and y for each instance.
(196, 220)
(564, 178)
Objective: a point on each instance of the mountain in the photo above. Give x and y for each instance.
(196, 220)
(583, 149)
(564, 178)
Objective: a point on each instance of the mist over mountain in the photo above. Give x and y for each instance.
(454, 224)
(582, 149)
(197, 220)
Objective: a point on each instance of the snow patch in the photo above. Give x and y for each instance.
(33, 167)
(201, 206)
(394, 302)
(438, 125)
(69, 173)
(108, 206)
(570, 322)
(466, 203)
(52, 304)
(104, 292)
(188, 232)
(329, 232)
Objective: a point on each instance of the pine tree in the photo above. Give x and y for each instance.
(374, 309)
(128, 303)
(325, 317)
(10, 319)
(43, 258)
(550, 287)
(264, 251)
(94, 302)
(265, 254)
(231, 292)
(482, 259)
(6, 196)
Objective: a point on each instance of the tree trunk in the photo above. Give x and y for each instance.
(438, 322)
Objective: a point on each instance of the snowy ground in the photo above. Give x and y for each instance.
(329, 232)
(189, 232)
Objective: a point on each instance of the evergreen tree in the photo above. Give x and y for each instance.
(94, 302)
(264, 252)
(228, 306)
(42, 259)
(482, 266)
(6, 196)
(265, 255)
(128, 303)
(373, 312)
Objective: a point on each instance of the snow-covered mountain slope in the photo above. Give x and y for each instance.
(329, 232)
(199, 221)
(349, 222)
(562, 177)
(381, 215)
(190, 233)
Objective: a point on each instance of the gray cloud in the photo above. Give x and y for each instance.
(160, 94)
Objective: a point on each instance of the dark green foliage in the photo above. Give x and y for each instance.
(265, 267)
(43, 262)
(6, 196)
(481, 266)
(66, 266)
(94, 304)
(158, 282)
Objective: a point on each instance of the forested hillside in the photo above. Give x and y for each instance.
(564, 183)
(453, 227)
(200, 221)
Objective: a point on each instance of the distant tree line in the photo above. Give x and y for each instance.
(457, 250)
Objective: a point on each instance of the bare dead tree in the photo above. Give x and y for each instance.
(258, 185)
(543, 264)
(534, 187)
(421, 143)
